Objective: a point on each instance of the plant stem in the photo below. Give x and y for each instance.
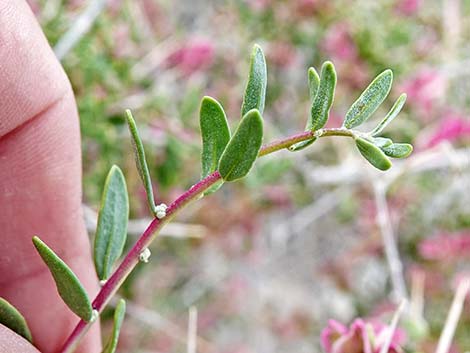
(132, 257)
(285, 143)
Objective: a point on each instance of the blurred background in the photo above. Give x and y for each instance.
(307, 236)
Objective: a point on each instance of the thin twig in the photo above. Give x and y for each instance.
(158, 322)
(79, 28)
(390, 331)
(453, 317)
(390, 246)
(192, 330)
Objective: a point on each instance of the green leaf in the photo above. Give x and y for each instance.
(215, 134)
(369, 100)
(119, 314)
(392, 114)
(324, 98)
(12, 318)
(301, 145)
(255, 91)
(68, 285)
(381, 141)
(398, 150)
(111, 231)
(373, 154)
(140, 161)
(313, 83)
(322, 91)
(242, 150)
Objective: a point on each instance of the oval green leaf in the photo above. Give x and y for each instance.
(313, 83)
(242, 150)
(215, 134)
(373, 154)
(381, 141)
(398, 150)
(392, 114)
(119, 314)
(111, 231)
(301, 145)
(255, 91)
(140, 160)
(68, 285)
(12, 318)
(323, 101)
(369, 100)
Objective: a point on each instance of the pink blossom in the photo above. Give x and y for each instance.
(339, 44)
(408, 7)
(451, 128)
(424, 89)
(445, 246)
(259, 5)
(360, 337)
(193, 56)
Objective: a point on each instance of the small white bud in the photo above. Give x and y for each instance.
(94, 315)
(145, 255)
(103, 282)
(160, 211)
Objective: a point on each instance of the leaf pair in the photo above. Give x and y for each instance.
(111, 233)
(321, 92)
(234, 156)
(377, 150)
(369, 100)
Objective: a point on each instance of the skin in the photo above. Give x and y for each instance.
(40, 184)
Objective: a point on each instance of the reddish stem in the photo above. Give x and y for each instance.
(132, 258)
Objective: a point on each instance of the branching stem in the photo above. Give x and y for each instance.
(193, 193)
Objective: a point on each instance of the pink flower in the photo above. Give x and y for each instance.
(339, 44)
(408, 7)
(360, 337)
(451, 128)
(193, 56)
(445, 246)
(424, 89)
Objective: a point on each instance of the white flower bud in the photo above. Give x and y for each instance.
(145, 255)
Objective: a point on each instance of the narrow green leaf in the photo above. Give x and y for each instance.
(313, 83)
(392, 114)
(324, 98)
(373, 154)
(119, 314)
(140, 160)
(322, 91)
(301, 145)
(111, 231)
(398, 150)
(12, 318)
(255, 91)
(242, 150)
(369, 100)
(381, 141)
(215, 134)
(68, 285)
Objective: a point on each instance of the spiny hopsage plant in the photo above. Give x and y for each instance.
(226, 157)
